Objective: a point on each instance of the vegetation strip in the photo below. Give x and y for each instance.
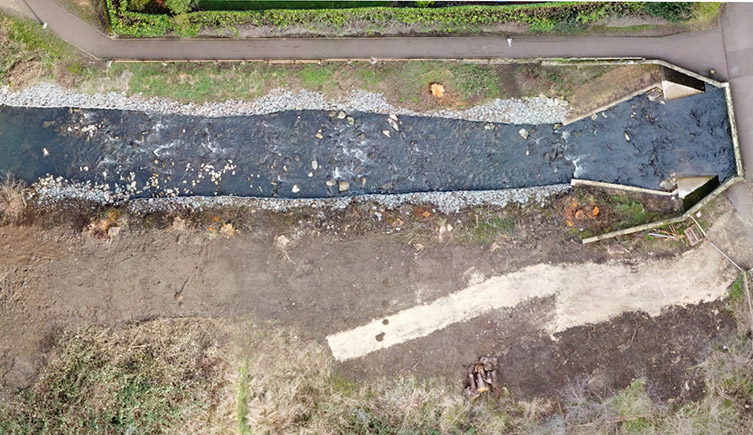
(180, 18)
(664, 222)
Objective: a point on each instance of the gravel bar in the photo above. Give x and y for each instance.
(536, 110)
(49, 190)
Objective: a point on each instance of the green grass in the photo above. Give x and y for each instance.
(736, 295)
(317, 77)
(706, 10)
(23, 42)
(200, 82)
(705, 14)
(630, 403)
(635, 28)
(472, 80)
(629, 213)
(486, 226)
(242, 401)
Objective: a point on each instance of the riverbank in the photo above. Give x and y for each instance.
(537, 110)
(77, 267)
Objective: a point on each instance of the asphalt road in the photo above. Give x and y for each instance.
(738, 43)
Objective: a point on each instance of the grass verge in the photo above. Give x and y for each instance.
(26, 53)
(404, 84)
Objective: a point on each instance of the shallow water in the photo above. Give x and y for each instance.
(637, 143)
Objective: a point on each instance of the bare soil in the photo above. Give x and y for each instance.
(614, 85)
(336, 270)
(609, 356)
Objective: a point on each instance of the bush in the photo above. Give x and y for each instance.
(547, 17)
(138, 5)
(670, 11)
(178, 7)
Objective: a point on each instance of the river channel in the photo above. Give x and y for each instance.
(307, 154)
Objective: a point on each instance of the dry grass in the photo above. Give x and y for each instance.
(290, 387)
(728, 405)
(160, 376)
(209, 376)
(13, 200)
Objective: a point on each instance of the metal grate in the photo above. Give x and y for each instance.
(693, 235)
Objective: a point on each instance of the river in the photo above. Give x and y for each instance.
(307, 154)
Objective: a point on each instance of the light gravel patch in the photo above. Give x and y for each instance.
(582, 292)
(537, 110)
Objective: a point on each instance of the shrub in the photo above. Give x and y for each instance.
(138, 5)
(670, 11)
(546, 17)
(178, 7)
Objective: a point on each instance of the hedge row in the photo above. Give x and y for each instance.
(540, 18)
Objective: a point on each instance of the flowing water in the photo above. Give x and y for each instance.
(303, 154)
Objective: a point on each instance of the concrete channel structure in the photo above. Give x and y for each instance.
(678, 82)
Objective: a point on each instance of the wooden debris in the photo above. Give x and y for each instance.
(437, 89)
(482, 378)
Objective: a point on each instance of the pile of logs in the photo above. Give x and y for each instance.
(482, 378)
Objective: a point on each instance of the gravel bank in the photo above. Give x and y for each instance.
(512, 111)
(50, 190)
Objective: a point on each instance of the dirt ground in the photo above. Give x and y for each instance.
(663, 350)
(325, 275)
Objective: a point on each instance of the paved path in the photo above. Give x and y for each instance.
(700, 51)
(738, 41)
